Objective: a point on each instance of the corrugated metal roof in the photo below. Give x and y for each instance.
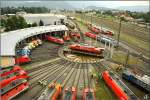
(10, 39)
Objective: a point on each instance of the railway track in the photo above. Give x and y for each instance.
(59, 70)
(72, 82)
(53, 79)
(35, 87)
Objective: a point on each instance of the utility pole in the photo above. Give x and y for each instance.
(118, 38)
(127, 58)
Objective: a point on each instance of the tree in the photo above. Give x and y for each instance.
(15, 22)
(34, 24)
(41, 23)
(147, 17)
(3, 22)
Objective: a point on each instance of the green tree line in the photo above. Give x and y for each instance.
(17, 22)
(13, 10)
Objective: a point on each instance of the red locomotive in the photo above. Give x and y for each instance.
(107, 32)
(21, 87)
(57, 92)
(91, 35)
(6, 80)
(15, 69)
(95, 30)
(114, 86)
(99, 30)
(66, 38)
(22, 59)
(75, 35)
(88, 94)
(90, 50)
(13, 82)
(54, 39)
(70, 94)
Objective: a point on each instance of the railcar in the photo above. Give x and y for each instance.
(70, 94)
(23, 52)
(91, 35)
(13, 89)
(107, 32)
(66, 38)
(31, 46)
(10, 71)
(54, 39)
(75, 35)
(13, 82)
(107, 41)
(95, 30)
(88, 94)
(39, 41)
(119, 92)
(35, 43)
(142, 81)
(90, 50)
(10, 77)
(22, 59)
(57, 92)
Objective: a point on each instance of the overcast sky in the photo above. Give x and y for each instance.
(110, 4)
(81, 4)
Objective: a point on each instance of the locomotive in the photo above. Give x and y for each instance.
(98, 30)
(88, 94)
(70, 93)
(89, 50)
(114, 86)
(141, 81)
(22, 59)
(54, 39)
(107, 32)
(91, 35)
(13, 82)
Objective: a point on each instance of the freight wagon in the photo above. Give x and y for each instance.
(140, 81)
(107, 40)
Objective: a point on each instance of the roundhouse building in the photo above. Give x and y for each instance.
(9, 41)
